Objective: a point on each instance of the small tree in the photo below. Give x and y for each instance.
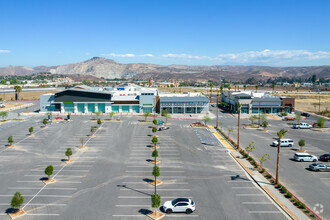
(45, 121)
(10, 140)
(49, 171)
(82, 141)
(146, 115)
(3, 115)
(99, 122)
(155, 201)
(167, 116)
(111, 114)
(298, 117)
(257, 87)
(320, 122)
(206, 119)
(92, 130)
(155, 173)
(18, 115)
(31, 130)
(17, 200)
(221, 123)
(154, 140)
(252, 118)
(154, 129)
(301, 144)
(264, 124)
(98, 113)
(155, 122)
(250, 148)
(230, 130)
(263, 158)
(68, 153)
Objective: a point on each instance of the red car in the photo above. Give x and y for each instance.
(58, 118)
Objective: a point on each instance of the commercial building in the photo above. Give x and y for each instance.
(128, 99)
(253, 103)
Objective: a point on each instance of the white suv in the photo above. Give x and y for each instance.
(284, 143)
(304, 157)
(179, 205)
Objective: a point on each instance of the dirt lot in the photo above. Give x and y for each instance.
(310, 102)
(25, 95)
(11, 104)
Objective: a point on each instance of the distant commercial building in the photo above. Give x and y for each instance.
(253, 103)
(129, 99)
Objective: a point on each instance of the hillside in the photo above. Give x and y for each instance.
(107, 68)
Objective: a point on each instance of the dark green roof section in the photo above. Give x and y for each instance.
(73, 95)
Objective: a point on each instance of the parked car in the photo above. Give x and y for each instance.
(288, 119)
(302, 126)
(325, 157)
(284, 143)
(213, 105)
(304, 157)
(58, 118)
(319, 167)
(162, 128)
(305, 114)
(2, 105)
(179, 205)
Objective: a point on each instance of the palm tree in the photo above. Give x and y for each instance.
(221, 91)
(244, 87)
(211, 86)
(257, 87)
(229, 87)
(18, 90)
(280, 135)
(239, 117)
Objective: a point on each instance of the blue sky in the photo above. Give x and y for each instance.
(235, 32)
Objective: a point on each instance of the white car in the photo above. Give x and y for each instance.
(2, 105)
(304, 157)
(179, 205)
(284, 143)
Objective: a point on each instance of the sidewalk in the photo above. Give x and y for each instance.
(291, 210)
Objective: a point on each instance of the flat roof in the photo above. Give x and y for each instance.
(184, 99)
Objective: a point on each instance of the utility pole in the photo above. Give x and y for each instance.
(217, 109)
(239, 117)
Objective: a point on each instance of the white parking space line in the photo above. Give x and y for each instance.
(164, 183)
(257, 203)
(151, 164)
(158, 189)
(22, 188)
(179, 177)
(147, 197)
(57, 196)
(250, 194)
(182, 216)
(40, 214)
(131, 205)
(238, 181)
(143, 171)
(264, 212)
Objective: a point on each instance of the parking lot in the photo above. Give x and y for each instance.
(109, 178)
(311, 187)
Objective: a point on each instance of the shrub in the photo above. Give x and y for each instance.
(278, 186)
(297, 203)
(289, 195)
(269, 176)
(284, 113)
(263, 170)
(284, 190)
(320, 122)
(302, 206)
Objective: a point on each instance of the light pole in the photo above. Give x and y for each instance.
(217, 109)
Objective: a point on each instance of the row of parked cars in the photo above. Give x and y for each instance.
(305, 157)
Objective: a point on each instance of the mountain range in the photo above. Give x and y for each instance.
(110, 69)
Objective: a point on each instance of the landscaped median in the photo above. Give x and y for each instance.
(260, 174)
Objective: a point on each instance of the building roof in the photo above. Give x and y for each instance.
(183, 99)
(266, 99)
(80, 95)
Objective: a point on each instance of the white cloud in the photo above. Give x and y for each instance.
(5, 51)
(266, 56)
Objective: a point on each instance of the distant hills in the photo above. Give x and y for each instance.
(107, 68)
